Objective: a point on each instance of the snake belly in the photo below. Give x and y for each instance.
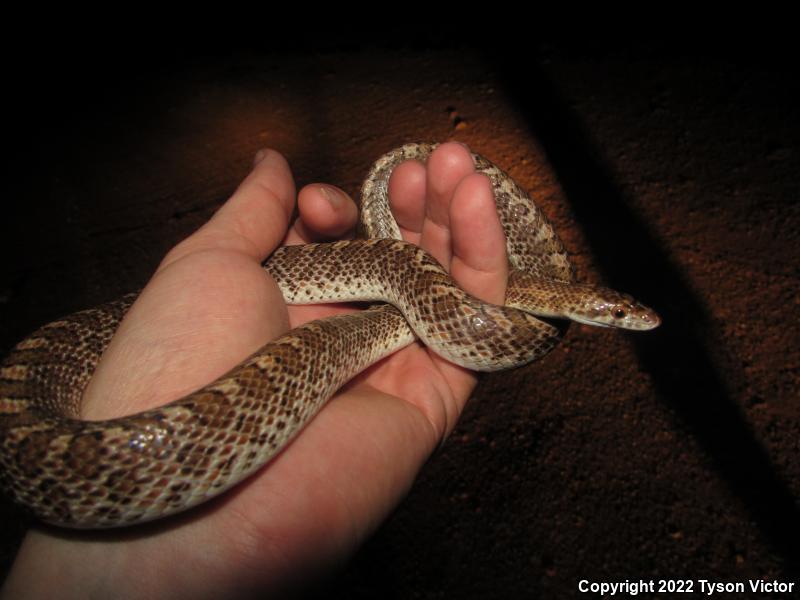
(132, 469)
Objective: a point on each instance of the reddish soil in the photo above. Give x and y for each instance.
(618, 456)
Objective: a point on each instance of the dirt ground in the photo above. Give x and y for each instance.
(673, 176)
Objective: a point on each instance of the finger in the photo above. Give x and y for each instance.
(326, 212)
(446, 167)
(407, 190)
(480, 261)
(255, 218)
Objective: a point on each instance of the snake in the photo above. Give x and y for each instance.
(123, 471)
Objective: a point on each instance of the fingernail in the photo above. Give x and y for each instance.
(259, 157)
(333, 195)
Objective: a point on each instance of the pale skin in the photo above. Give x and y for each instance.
(207, 307)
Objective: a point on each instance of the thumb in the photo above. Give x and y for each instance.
(255, 218)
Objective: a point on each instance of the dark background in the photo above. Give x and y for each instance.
(669, 166)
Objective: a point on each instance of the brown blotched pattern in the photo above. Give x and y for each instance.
(87, 474)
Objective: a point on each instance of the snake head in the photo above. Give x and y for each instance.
(608, 308)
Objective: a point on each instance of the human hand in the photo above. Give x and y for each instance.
(207, 307)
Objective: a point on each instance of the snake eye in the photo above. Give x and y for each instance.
(619, 313)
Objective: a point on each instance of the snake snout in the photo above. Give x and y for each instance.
(609, 308)
(630, 314)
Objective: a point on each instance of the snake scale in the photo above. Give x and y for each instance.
(96, 474)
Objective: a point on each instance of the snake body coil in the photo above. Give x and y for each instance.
(93, 474)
